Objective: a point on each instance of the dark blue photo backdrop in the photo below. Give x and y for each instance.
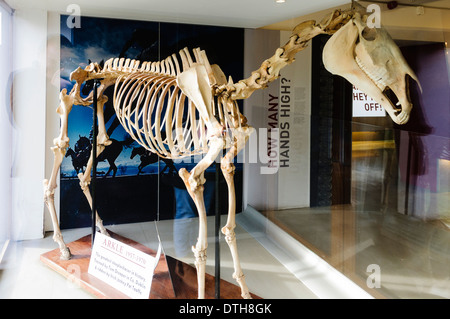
(129, 197)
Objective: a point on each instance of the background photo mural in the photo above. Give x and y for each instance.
(133, 185)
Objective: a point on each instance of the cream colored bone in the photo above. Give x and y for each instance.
(62, 142)
(152, 99)
(269, 70)
(59, 149)
(371, 61)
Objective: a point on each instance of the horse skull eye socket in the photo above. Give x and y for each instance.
(369, 34)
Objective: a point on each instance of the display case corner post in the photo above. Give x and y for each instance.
(217, 232)
(94, 159)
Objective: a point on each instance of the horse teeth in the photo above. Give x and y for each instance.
(375, 75)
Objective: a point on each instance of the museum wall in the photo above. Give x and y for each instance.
(52, 93)
(5, 124)
(280, 178)
(260, 190)
(29, 122)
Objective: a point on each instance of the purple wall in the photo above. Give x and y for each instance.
(426, 137)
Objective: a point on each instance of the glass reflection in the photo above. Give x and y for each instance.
(392, 237)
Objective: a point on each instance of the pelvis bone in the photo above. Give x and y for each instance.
(370, 60)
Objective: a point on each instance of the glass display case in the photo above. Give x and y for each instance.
(378, 200)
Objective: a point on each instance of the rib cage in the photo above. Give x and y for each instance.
(152, 109)
(156, 113)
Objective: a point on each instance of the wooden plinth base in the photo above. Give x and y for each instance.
(172, 278)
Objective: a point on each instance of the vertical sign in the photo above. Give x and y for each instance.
(365, 106)
(294, 130)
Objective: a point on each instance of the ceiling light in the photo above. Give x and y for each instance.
(280, 1)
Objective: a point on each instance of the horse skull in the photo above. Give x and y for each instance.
(370, 60)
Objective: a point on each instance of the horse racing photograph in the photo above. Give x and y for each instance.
(134, 185)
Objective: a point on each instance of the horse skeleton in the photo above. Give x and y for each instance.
(194, 86)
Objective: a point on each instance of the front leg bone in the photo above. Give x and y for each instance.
(67, 100)
(102, 137)
(227, 167)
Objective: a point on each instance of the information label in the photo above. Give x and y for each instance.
(123, 267)
(365, 106)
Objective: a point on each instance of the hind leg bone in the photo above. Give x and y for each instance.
(59, 149)
(49, 199)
